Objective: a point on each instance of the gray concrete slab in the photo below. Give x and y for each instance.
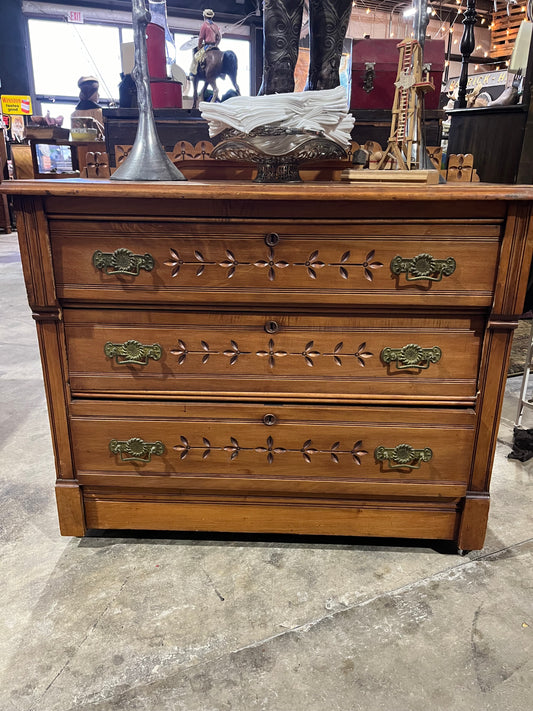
(213, 623)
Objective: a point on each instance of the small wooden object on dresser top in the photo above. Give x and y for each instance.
(314, 359)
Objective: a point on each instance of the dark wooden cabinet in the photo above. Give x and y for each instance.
(319, 358)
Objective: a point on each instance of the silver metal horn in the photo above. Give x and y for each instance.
(147, 159)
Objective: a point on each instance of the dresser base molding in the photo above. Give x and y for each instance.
(104, 510)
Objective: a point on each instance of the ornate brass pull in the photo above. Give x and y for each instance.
(403, 456)
(423, 266)
(122, 261)
(132, 352)
(411, 356)
(136, 449)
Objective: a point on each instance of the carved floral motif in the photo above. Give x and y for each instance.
(271, 264)
(271, 352)
(233, 448)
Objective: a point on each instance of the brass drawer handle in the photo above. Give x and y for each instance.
(423, 266)
(270, 420)
(136, 449)
(122, 261)
(403, 456)
(132, 352)
(411, 356)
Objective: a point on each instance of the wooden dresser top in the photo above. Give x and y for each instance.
(247, 190)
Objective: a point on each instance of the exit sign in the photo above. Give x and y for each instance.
(75, 16)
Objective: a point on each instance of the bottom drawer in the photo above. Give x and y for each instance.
(211, 449)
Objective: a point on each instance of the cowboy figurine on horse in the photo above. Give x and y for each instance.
(209, 38)
(209, 62)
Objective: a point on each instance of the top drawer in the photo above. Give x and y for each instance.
(285, 262)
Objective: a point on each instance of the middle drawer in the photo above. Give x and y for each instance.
(275, 355)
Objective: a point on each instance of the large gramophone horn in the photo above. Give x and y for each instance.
(147, 160)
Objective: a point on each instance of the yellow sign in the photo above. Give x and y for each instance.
(16, 105)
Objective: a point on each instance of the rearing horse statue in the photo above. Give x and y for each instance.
(216, 64)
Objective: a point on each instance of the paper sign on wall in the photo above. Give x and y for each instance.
(16, 105)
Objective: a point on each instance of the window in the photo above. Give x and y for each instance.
(76, 51)
(62, 52)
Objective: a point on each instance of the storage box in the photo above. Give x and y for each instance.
(381, 57)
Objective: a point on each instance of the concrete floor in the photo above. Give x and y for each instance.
(218, 623)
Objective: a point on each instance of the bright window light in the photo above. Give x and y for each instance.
(76, 51)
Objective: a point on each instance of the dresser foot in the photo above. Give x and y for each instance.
(70, 508)
(473, 522)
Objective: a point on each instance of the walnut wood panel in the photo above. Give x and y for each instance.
(299, 445)
(273, 354)
(116, 511)
(34, 241)
(515, 261)
(237, 264)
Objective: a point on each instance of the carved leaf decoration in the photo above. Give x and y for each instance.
(271, 274)
(206, 441)
(370, 255)
(199, 256)
(311, 273)
(184, 441)
(233, 360)
(338, 347)
(362, 355)
(337, 360)
(205, 359)
(231, 272)
(357, 452)
(175, 262)
(368, 275)
(334, 458)
(270, 457)
(345, 257)
(313, 255)
(281, 264)
(234, 448)
(200, 271)
(261, 263)
(344, 273)
(205, 345)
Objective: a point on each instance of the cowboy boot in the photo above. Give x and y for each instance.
(282, 21)
(328, 22)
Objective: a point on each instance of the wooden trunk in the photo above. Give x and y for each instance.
(314, 359)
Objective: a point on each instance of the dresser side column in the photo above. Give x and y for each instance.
(38, 272)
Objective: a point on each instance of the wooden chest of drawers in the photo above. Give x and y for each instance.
(317, 358)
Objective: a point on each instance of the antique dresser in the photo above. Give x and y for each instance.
(314, 359)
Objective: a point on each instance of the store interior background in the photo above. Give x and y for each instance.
(43, 55)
